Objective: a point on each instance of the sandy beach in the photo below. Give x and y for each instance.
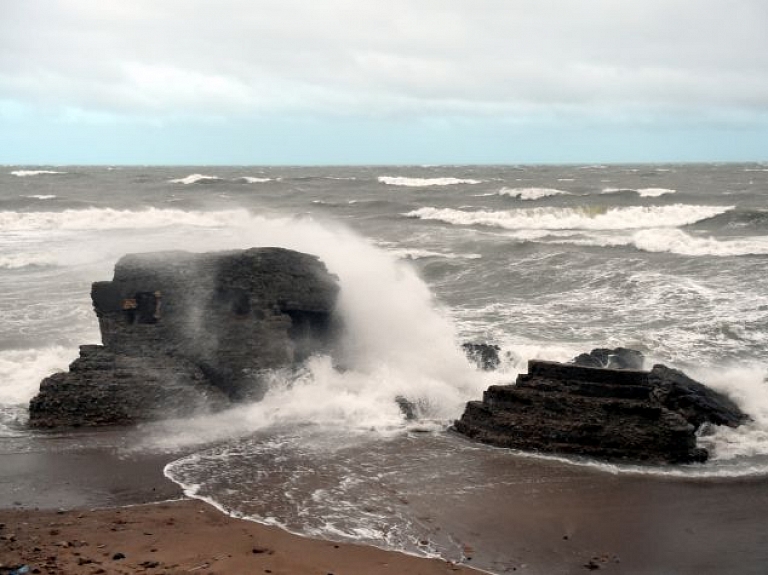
(185, 536)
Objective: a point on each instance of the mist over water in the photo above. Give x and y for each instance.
(547, 262)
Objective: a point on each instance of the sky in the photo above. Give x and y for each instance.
(382, 81)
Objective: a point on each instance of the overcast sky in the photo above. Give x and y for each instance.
(375, 81)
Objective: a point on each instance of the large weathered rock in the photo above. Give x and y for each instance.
(183, 332)
(599, 412)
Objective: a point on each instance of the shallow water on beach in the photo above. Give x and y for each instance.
(545, 261)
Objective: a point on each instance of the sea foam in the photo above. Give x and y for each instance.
(586, 218)
(27, 173)
(532, 193)
(424, 182)
(195, 179)
(679, 242)
(642, 192)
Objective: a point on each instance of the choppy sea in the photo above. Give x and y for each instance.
(545, 261)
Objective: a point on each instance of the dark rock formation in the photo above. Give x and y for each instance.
(183, 332)
(619, 358)
(599, 412)
(485, 356)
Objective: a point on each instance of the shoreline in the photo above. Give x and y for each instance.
(184, 536)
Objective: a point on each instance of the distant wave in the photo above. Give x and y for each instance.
(41, 196)
(26, 173)
(655, 240)
(18, 261)
(252, 180)
(678, 242)
(424, 182)
(642, 192)
(532, 193)
(583, 218)
(418, 254)
(194, 179)
(108, 218)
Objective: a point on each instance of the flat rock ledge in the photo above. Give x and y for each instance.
(604, 413)
(184, 333)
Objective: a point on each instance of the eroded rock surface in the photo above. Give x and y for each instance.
(600, 412)
(183, 332)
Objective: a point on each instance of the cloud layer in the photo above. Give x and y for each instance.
(395, 57)
(549, 63)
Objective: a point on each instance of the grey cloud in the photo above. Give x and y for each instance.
(396, 57)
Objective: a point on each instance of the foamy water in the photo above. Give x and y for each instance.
(590, 218)
(328, 452)
(424, 182)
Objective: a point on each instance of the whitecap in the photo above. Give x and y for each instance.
(531, 193)
(21, 260)
(109, 218)
(194, 179)
(642, 192)
(41, 196)
(678, 242)
(26, 173)
(417, 254)
(587, 218)
(424, 182)
(254, 180)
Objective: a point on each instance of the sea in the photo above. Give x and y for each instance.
(545, 261)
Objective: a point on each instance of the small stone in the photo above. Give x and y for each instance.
(118, 556)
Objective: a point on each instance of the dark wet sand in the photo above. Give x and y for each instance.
(547, 518)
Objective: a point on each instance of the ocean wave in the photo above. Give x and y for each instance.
(21, 260)
(678, 242)
(582, 218)
(195, 179)
(41, 196)
(108, 218)
(253, 180)
(642, 192)
(22, 370)
(424, 182)
(27, 173)
(418, 254)
(532, 193)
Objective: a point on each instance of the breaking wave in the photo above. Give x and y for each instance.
(20, 260)
(417, 254)
(582, 218)
(424, 182)
(253, 180)
(26, 173)
(108, 218)
(41, 196)
(195, 179)
(642, 192)
(531, 193)
(678, 242)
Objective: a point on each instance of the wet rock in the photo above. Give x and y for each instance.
(184, 333)
(485, 356)
(599, 412)
(618, 358)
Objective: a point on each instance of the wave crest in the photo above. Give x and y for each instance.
(27, 173)
(642, 192)
(424, 182)
(195, 179)
(678, 242)
(532, 193)
(108, 218)
(582, 218)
